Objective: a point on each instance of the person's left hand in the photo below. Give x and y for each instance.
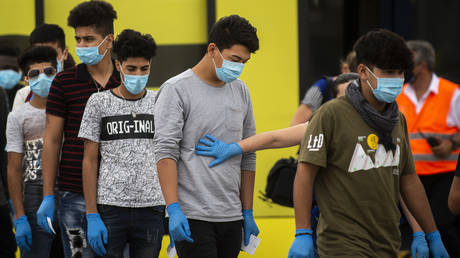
(419, 247)
(444, 148)
(436, 246)
(249, 226)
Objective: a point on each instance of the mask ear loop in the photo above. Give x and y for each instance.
(101, 44)
(367, 80)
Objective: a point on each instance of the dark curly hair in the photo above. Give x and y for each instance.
(131, 43)
(7, 49)
(232, 30)
(99, 14)
(38, 54)
(383, 49)
(46, 33)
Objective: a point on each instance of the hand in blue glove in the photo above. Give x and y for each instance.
(23, 233)
(46, 210)
(436, 246)
(13, 215)
(419, 247)
(97, 233)
(217, 149)
(178, 224)
(249, 226)
(171, 241)
(302, 247)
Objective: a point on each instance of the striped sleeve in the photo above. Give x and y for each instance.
(56, 105)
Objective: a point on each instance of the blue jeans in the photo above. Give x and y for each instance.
(72, 220)
(142, 228)
(42, 241)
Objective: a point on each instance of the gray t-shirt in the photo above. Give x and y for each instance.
(125, 129)
(313, 98)
(24, 133)
(188, 108)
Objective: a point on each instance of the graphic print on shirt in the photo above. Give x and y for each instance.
(315, 142)
(362, 160)
(33, 160)
(127, 127)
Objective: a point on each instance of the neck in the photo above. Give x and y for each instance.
(205, 71)
(102, 70)
(125, 94)
(369, 96)
(38, 102)
(422, 83)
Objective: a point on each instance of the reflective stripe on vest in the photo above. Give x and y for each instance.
(432, 122)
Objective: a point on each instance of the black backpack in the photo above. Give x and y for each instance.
(280, 182)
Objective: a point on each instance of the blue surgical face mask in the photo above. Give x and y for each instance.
(41, 85)
(229, 71)
(134, 83)
(387, 88)
(90, 55)
(9, 78)
(59, 66)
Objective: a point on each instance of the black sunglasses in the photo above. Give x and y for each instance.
(48, 71)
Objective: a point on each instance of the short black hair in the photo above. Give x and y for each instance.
(47, 33)
(37, 54)
(8, 50)
(99, 14)
(383, 49)
(131, 43)
(232, 30)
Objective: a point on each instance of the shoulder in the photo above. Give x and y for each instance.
(448, 84)
(99, 97)
(150, 94)
(180, 79)
(68, 73)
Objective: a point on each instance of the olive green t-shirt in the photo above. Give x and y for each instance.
(357, 185)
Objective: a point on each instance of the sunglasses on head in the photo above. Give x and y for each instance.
(48, 71)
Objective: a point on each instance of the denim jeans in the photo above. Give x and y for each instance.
(72, 220)
(42, 241)
(142, 228)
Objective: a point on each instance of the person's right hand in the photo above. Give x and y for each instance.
(217, 149)
(97, 233)
(46, 210)
(178, 224)
(302, 247)
(436, 246)
(23, 233)
(419, 247)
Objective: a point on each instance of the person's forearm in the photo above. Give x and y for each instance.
(412, 222)
(413, 194)
(247, 189)
(454, 196)
(50, 157)
(89, 177)
(167, 174)
(15, 184)
(302, 115)
(282, 138)
(303, 194)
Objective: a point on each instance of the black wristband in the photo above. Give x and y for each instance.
(304, 233)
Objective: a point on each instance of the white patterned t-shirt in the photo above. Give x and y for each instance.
(124, 130)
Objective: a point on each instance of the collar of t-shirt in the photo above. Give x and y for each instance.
(84, 76)
(410, 93)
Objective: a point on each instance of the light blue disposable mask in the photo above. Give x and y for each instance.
(9, 78)
(387, 88)
(59, 66)
(134, 83)
(90, 55)
(41, 85)
(229, 71)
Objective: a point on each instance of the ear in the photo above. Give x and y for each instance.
(211, 49)
(65, 54)
(362, 71)
(109, 41)
(117, 65)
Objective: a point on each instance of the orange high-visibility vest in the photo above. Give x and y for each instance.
(430, 121)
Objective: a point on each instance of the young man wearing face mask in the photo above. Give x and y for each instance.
(356, 156)
(70, 90)
(10, 73)
(45, 35)
(119, 124)
(431, 105)
(208, 207)
(25, 129)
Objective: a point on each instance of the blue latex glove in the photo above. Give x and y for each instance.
(178, 224)
(217, 149)
(419, 247)
(97, 233)
(46, 210)
(436, 246)
(171, 241)
(302, 247)
(249, 226)
(23, 233)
